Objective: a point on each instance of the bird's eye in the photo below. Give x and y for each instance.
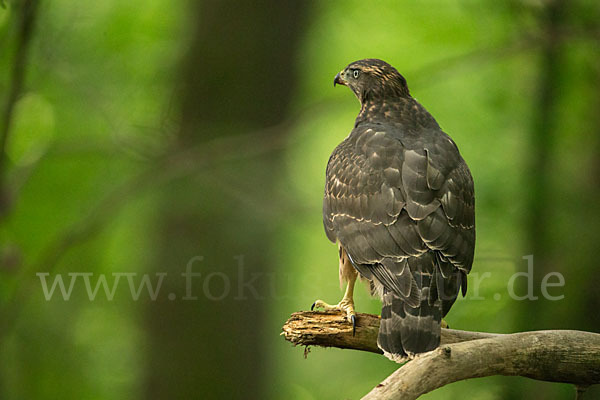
(355, 73)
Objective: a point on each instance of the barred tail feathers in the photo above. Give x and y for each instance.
(405, 330)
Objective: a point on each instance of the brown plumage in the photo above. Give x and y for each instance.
(399, 199)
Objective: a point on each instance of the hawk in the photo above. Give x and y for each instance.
(399, 202)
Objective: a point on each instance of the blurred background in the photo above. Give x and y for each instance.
(162, 168)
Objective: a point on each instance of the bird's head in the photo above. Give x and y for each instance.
(372, 79)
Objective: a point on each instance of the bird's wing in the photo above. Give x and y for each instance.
(389, 204)
(450, 228)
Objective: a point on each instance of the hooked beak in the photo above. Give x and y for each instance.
(338, 80)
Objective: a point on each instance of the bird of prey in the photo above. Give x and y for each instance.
(399, 202)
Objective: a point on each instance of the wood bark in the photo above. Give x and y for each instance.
(557, 356)
(330, 329)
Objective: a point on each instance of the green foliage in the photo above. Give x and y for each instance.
(98, 108)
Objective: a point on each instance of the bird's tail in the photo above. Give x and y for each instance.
(406, 330)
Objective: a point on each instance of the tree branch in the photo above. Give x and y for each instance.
(556, 356)
(27, 17)
(330, 329)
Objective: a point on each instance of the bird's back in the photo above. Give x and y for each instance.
(399, 199)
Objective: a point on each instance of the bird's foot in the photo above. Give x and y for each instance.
(445, 324)
(345, 305)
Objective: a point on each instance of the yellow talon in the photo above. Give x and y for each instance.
(347, 273)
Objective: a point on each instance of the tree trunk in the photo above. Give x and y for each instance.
(562, 208)
(206, 334)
